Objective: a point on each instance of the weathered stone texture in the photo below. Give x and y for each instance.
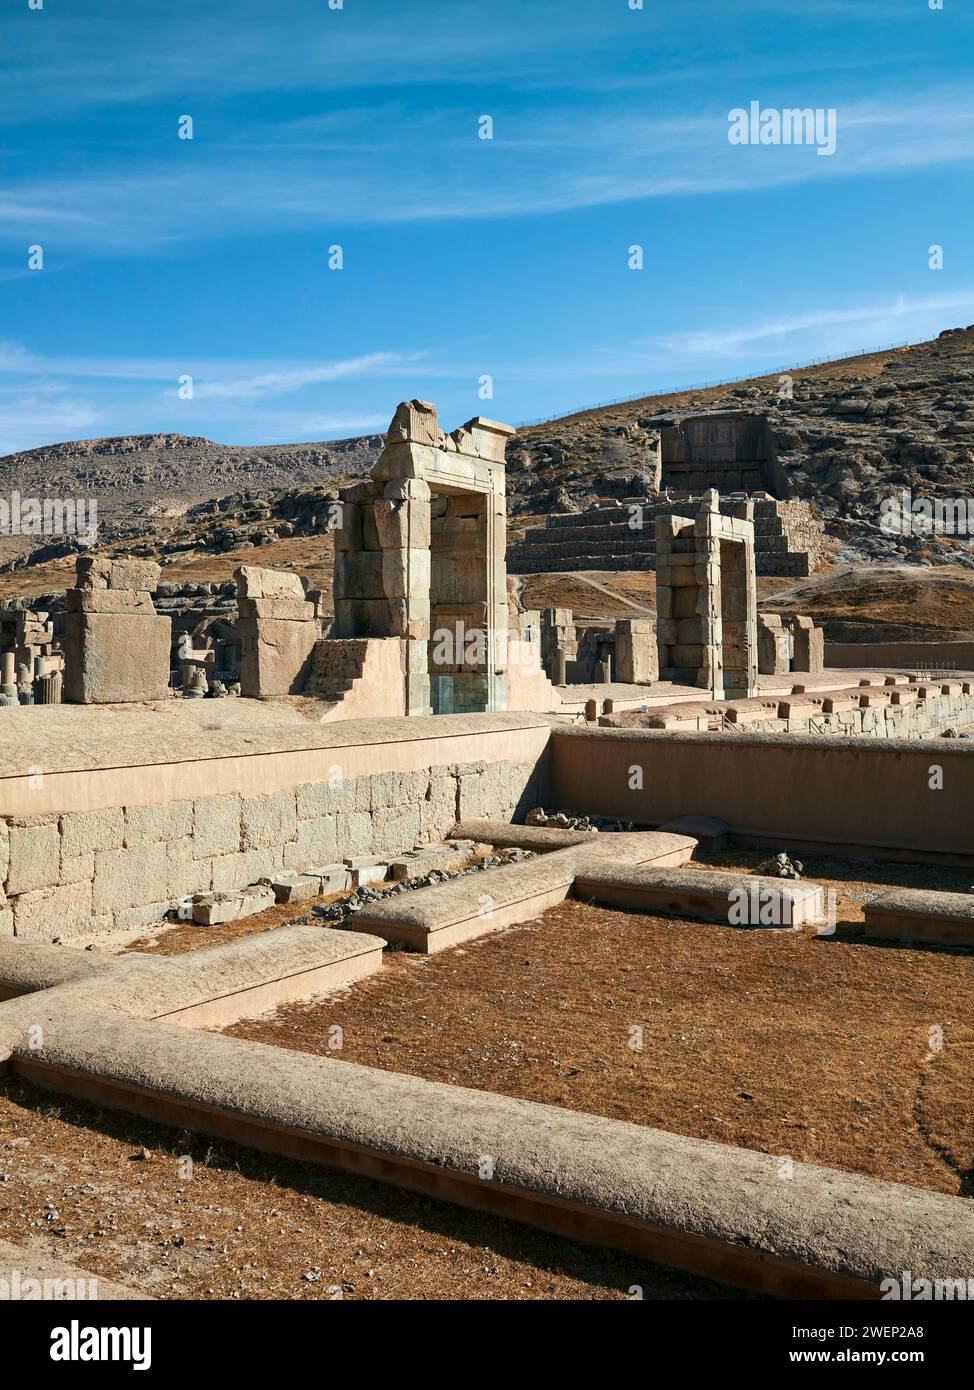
(268, 820)
(217, 825)
(35, 856)
(127, 877)
(148, 824)
(85, 831)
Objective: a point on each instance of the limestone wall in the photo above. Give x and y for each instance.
(91, 870)
(785, 789)
(917, 656)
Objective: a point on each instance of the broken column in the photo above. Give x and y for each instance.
(636, 655)
(774, 645)
(706, 600)
(809, 645)
(277, 628)
(559, 642)
(116, 646)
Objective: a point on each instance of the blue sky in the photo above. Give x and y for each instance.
(463, 257)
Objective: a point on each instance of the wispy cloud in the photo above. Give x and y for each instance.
(358, 169)
(871, 321)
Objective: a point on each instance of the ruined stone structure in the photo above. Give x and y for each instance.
(27, 636)
(116, 647)
(420, 559)
(277, 629)
(789, 644)
(788, 539)
(734, 454)
(706, 600)
(559, 643)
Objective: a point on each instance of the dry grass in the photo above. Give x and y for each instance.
(792, 1044)
(110, 1193)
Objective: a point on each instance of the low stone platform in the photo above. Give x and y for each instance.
(432, 919)
(907, 914)
(698, 893)
(201, 989)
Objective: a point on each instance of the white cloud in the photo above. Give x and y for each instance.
(872, 321)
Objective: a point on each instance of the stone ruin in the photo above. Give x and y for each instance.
(706, 600)
(31, 660)
(578, 653)
(116, 647)
(732, 453)
(420, 559)
(789, 644)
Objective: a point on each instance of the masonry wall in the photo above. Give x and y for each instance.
(778, 789)
(919, 655)
(926, 717)
(122, 866)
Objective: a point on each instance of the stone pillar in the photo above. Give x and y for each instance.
(559, 642)
(278, 630)
(116, 647)
(402, 519)
(809, 645)
(774, 646)
(8, 679)
(637, 661)
(706, 600)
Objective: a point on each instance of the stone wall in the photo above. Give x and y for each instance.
(877, 712)
(91, 871)
(859, 797)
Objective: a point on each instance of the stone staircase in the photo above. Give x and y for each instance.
(357, 677)
(789, 540)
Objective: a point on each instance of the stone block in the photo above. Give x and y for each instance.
(268, 820)
(35, 856)
(85, 831)
(127, 877)
(354, 831)
(255, 582)
(45, 913)
(147, 824)
(216, 825)
(235, 870)
(316, 799)
(293, 887)
(115, 658)
(80, 869)
(186, 874)
(316, 843)
(367, 870)
(275, 655)
(210, 909)
(137, 601)
(6, 921)
(332, 878)
(284, 609)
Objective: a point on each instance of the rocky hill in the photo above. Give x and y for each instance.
(143, 482)
(854, 432)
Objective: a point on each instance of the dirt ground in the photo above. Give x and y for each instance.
(815, 1047)
(112, 1194)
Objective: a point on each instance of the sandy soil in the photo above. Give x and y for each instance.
(794, 1044)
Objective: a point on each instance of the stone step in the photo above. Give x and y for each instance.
(908, 914)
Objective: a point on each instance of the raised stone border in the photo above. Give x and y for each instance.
(908, 914)
(431, 919)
